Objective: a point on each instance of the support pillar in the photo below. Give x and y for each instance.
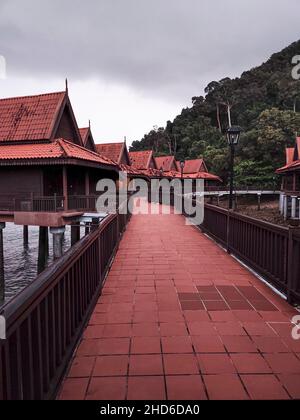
(87, 228)
(258, 202)
(43, 249)
(285, 207)
(87, 189)
(25, 235)
(294, 206)
(2, 279)
(65, 188)
(58, 234)
(75, 234)
(299, 207)
(281, 203)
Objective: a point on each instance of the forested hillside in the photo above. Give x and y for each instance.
(264, 101)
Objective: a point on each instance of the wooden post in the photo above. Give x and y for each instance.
(2, 278)
(25, 235)
(87, 189)
(75, 233)
(65, 188)
(291, 269)
(258, 202)
(58, 234)
(294, 182)
(43, 249)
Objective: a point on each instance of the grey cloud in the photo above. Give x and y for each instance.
(167, 47)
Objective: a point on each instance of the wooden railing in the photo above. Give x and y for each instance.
(272, 251)
(45, 321)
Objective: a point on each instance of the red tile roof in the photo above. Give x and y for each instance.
(29, 117)
(141, 160)
(58, 149)
(192, 166)
(198, 175)
(289, 155)
(84, 132)
(165, 162)
(111, 150)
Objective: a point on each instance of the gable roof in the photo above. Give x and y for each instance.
(289, 155)
(165, 163)
(193, 166)
(292, 158)
(87, 138)
(141, 160)
(58, 149)
(113, 151)
(29, 117)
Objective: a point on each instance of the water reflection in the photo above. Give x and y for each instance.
(21, 261)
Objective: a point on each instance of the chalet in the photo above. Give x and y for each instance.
(115, 151)
(47, 165)
(290, 187)
(193, 166)
(166, 163)
(143, 160)
(87, 138)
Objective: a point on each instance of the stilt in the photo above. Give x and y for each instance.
(75, 234)
(25, 235)
(57, 241)
(87, 228)
(258, 202)
(285, 207)
(294, 205)
(2, 279)
(281, 203)
(43, 249)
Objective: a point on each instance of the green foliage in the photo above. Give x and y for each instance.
(264, 101)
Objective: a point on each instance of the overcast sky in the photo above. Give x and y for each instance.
(133, 64)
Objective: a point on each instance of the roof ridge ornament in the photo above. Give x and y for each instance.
(67, 88)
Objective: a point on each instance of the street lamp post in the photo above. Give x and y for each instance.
(182, 165)
(233, 136)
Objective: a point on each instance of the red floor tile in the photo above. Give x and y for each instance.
(145, 345)
(270, 345)
(185, 388)
(145, 365)
(171, 316)
(82, 367)
(111, 366)
(208, 344)
(145, 330)
(259, 329)
(216, 306)
(239, 344)
(146, 388)
(201, 328)
(74, 389)
(173, 329)
(112, 346)
(225, 387)
(250, 363)
(176, 345)
(292, 383)
(192, 305)
(232, 328)
(215, 364)
(107, 389)
(283, 363)
(180, 364)
(264, 387)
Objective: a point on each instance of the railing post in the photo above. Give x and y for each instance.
(55, 202)
(228, 232)
(292, 259)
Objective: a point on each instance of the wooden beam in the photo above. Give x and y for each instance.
(65, 188)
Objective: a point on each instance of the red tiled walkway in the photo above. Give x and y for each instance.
(181, 319)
